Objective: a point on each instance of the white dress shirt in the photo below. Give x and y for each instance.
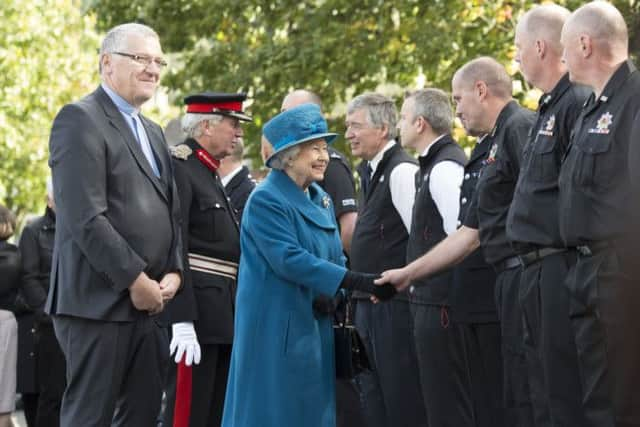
(401, 184)
(230, 176)
(444, 186)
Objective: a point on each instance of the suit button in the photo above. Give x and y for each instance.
(467, 176)
(464, 200)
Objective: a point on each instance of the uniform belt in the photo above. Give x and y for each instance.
(507, 263)
(218, 267)
(592, 248)
(535, 256)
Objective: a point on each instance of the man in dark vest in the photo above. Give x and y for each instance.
(533, 225)
(425, 125)
(481, 90)
(380, 243)
(202, 313)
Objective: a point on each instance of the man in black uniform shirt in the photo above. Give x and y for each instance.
(202, 313)
(338, 179)
(425, 124)
(599, 216)
(532, 224)
(481, 90)
(236, 178)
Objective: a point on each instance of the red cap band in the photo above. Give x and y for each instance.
(208, 108)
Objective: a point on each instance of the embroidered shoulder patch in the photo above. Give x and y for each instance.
(181, 151)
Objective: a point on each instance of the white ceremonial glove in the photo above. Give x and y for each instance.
(185, 342)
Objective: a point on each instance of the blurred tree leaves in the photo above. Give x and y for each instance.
(47, 58)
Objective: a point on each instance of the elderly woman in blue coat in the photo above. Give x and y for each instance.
(282, 366)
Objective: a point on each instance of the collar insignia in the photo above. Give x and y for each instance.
(326, 202)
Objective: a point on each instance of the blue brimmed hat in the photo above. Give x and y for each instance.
(295, 126)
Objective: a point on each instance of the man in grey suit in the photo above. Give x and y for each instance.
(116, 259)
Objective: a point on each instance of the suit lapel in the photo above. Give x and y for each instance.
(118, 122)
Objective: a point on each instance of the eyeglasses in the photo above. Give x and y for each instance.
(145, 60)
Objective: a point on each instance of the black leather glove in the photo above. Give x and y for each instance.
(364, 282)
(325, 305)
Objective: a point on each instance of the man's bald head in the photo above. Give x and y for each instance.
(603, 23)
(544, 22)
(488, 70)
(299, 97)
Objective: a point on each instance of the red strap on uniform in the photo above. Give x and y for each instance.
(182, 410)
(208, 160)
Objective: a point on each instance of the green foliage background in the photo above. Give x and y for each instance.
(337, 48)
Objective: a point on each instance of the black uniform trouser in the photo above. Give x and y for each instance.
(517, 399)
(348, 410)
(51, 369)
(208, 387)
(483, 355)
(551, 351)
(442, 367)
(110, 365)
(390, 395)
(604, 294)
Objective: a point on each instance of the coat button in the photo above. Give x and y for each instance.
(467, 176)
(459, 223)
(33, 330)
(32, 354)
(464, 200)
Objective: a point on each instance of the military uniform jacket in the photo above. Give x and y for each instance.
(239, 189)
(533, 216)
(427, 227)
(210, 234)
(491, 201)
(600, 177)
(36, 248)
(472, 292)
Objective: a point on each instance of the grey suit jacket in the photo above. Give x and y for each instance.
(114, 219)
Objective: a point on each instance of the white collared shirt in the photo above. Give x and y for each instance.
(401, 184)
(230, 176)
(444, 185)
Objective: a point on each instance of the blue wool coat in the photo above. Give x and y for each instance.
(282, 366)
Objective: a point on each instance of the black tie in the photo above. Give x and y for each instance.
(366, 178)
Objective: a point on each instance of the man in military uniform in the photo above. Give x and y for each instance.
(202, 313)
(481, 90)
(236, 178)
(599, 215)
(338, 179)
(425, 124)
(532, 224)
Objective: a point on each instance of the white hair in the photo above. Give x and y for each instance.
(282, 159)
(191, 123)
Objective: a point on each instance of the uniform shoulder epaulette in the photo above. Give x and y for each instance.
(181, 151)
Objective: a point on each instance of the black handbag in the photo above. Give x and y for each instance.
(351, 355)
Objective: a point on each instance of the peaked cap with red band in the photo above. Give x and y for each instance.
(225, 104)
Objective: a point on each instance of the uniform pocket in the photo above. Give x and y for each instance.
(592, 166)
